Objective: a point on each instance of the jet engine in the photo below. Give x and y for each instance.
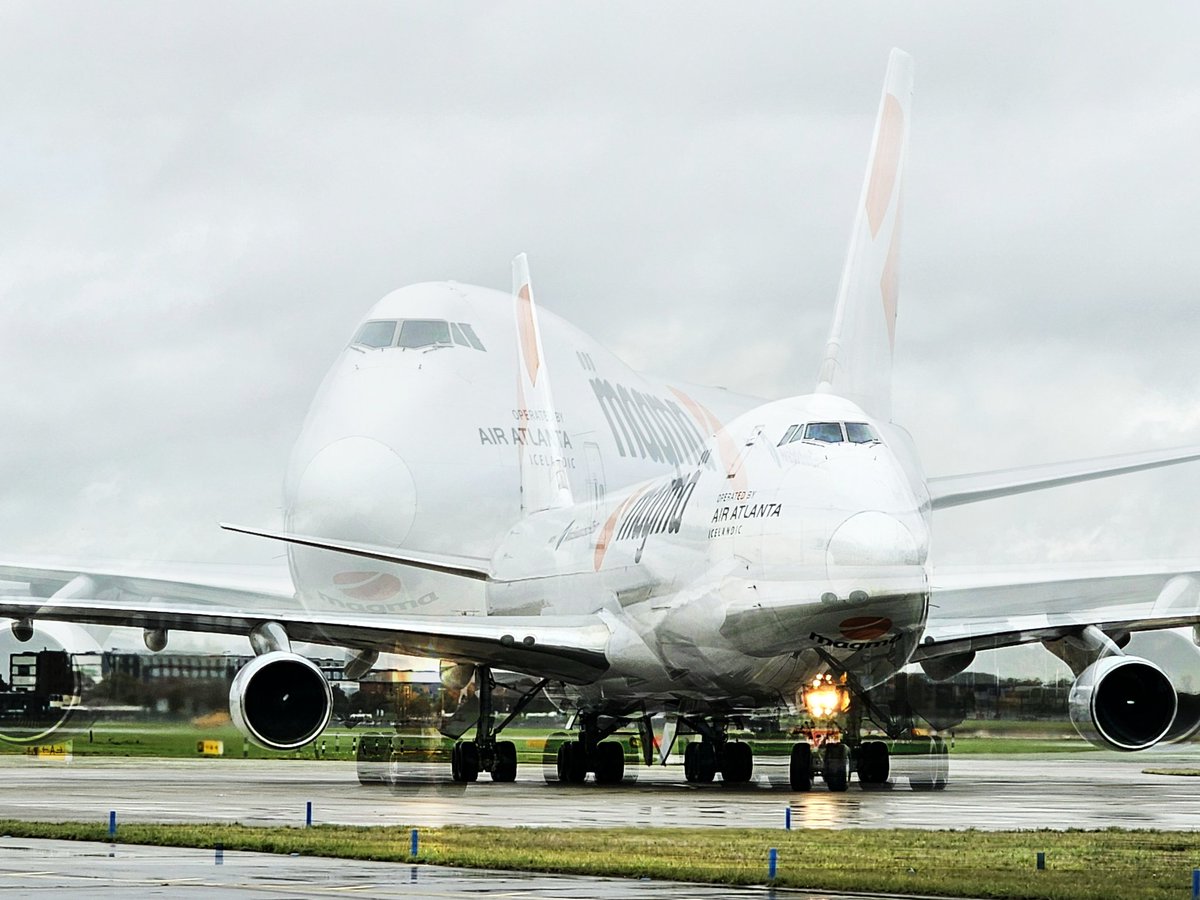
(280, 700)
(1123, 703)
(49, 664)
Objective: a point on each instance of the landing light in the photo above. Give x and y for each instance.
(825, 698)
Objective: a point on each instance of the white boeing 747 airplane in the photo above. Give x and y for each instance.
(480, 482)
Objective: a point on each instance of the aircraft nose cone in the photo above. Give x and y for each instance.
(356, 489)
(872, 539)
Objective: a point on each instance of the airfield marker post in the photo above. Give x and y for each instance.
(415, 842)
(1041, 860)
(787, 818)
(112, 823)
(220, 860)
(772, 864)
(308, 814)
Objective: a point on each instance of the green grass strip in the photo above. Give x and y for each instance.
(1079, 864)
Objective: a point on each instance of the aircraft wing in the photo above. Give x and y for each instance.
(233, 600)
(225, 584)
(571, 650)
(985, 608)
(955, 490)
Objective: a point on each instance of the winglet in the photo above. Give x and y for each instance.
(544, 482)
(858, 356)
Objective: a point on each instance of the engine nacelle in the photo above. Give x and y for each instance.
(1123, 703)
(280, 700)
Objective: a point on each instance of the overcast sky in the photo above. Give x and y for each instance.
(197, 204)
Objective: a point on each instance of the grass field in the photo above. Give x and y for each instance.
(1125, 864)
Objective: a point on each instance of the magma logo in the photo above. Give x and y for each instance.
(371, 587)
(865, 628)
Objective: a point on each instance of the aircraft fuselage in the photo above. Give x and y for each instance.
(692, 505)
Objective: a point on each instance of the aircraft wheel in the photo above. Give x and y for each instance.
(505, 767)
(941, 765)
(930, 765)
(467, 768)
(800, 770)
(572, 763)
(610, 762)
(700, 762)
(737, 762)
(874, 764)
(836, 768)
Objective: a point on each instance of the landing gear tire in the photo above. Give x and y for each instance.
(572, 763)
(800, 769)
(700, 762)
(505, 767)
(936, 772)
(737, 762)
(610, 762)
(836, 768)
(874, 765)
(464, 762)
(941, 768)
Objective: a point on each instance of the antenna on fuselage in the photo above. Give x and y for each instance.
(543, 443)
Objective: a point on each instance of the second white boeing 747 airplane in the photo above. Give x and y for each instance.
(632, 546)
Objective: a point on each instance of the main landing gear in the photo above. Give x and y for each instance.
(591, 753)
(834, 762)
(485, 753)
(714, 753)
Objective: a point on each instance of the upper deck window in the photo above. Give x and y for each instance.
(376, 334)
(861, 433)
(825, 432)
(415, 333)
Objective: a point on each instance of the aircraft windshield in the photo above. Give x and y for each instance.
(376, 334)
(825, 432)
(416, 333)
(861, 433)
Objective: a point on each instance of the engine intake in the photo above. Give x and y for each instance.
(1123, 703)
(280, 700)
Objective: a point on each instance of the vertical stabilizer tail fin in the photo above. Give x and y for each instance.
(858, 357)
(544, 483)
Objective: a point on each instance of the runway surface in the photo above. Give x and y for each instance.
(33, 867)
(1087, 790)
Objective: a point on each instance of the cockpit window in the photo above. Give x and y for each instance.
(825, 432)
(376, 334)
(459, 338)
(861, 433)
(788, 435)
(415, 333)
(471, 336)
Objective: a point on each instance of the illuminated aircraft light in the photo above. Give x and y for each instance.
(825, 698)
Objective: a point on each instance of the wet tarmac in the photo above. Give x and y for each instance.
(1086, 790)
(51, 868)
